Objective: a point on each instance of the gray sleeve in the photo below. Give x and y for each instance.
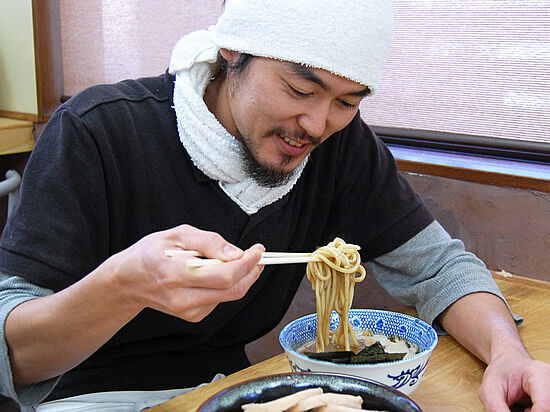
(431, 271)
(14, 291)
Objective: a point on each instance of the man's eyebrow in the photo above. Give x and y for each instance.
(361, 93)
(307, 74)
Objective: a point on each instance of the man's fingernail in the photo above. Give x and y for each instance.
(232, 251)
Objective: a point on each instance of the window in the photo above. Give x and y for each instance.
(462, 75)
(468, 74)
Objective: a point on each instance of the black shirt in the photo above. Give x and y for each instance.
(109, 169)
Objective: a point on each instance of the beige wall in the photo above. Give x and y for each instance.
(507, 228)
(17, 68)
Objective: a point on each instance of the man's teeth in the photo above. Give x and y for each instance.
(291, 142)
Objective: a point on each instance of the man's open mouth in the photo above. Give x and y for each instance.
(291, 142)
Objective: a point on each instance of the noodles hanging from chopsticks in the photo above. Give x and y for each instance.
(334, 279)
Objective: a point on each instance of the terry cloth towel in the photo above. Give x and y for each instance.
(211, 147)
(350, 38)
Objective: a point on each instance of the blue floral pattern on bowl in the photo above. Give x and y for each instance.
(409, 377)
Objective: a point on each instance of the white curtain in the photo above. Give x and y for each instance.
(477, 67)
(464, 66)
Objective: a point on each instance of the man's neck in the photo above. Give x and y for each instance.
(215, 98)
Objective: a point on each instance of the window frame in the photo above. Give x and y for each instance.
(520, 166)
(510, 149)
(48, 57)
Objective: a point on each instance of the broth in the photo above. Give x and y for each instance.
(365, 339)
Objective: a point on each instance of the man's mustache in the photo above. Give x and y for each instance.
(296, 135)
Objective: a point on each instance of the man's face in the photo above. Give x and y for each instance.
(281, 111)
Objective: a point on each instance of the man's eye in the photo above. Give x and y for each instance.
(347, 105)
(298, 92)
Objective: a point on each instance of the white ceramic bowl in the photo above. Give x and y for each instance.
(404, 375)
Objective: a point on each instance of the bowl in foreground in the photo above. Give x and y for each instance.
(265, 389)
(404, 375)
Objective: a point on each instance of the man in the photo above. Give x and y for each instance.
(252, 141)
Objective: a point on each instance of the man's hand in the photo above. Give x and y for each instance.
(482, 323)
(167, 284)
(511, 378)
(50, 335)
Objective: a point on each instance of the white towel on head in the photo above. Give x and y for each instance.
(350, 38)
(211, 147)
(194, 48)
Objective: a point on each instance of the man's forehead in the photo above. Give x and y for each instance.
(320, 76)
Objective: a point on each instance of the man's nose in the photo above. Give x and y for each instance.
(314, 120)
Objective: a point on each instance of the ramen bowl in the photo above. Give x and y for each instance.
(404, 375)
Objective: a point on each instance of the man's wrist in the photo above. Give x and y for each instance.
(506, 341)
(113, 279)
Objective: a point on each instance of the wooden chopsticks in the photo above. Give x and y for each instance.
(268, 258)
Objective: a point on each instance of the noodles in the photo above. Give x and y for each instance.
(333, 279)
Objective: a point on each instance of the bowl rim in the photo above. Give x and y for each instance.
(421, 354)
(320, 374)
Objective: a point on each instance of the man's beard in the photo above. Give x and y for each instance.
(264, 175)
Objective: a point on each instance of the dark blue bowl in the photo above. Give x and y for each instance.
(375, 395)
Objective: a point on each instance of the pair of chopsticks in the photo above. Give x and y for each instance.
(268, 258)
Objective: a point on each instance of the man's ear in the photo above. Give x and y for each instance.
(230, 56)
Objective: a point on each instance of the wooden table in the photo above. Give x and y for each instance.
(453, 375)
